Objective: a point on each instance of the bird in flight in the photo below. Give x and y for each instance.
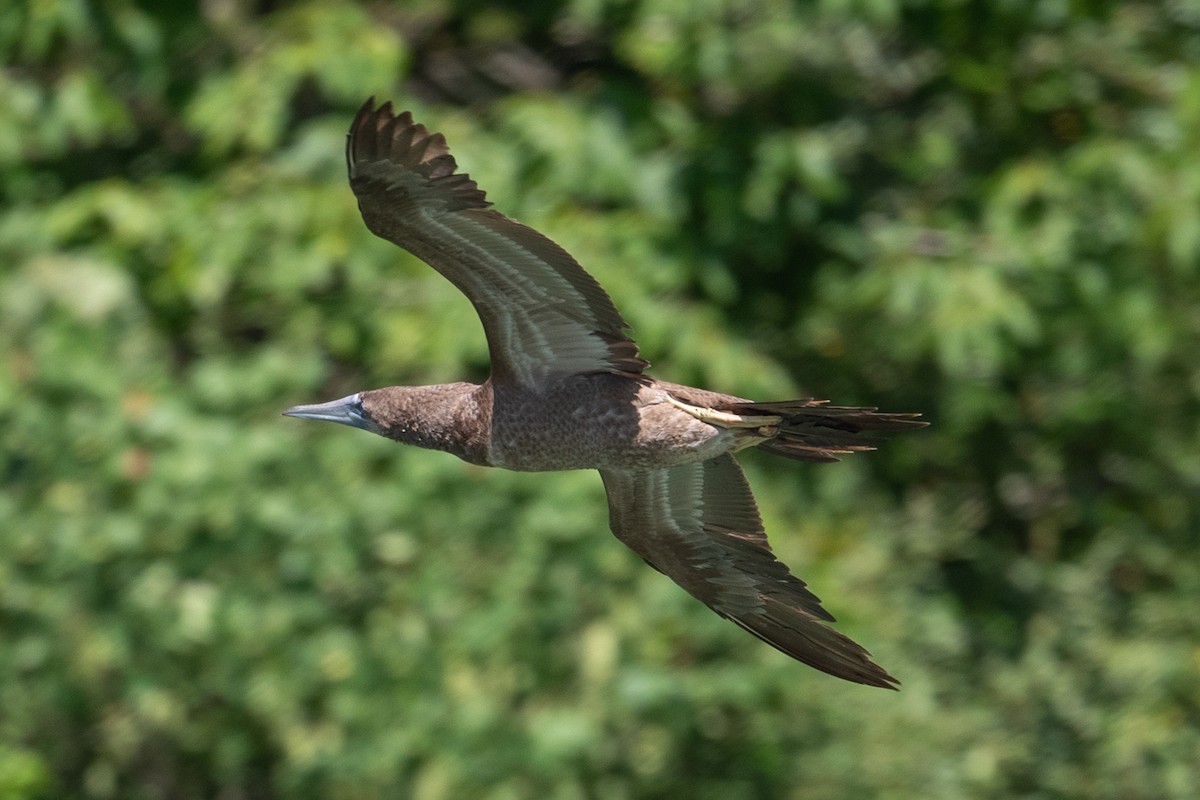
(568, 390)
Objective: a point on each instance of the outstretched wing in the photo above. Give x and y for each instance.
(542, 314)
(698, 524)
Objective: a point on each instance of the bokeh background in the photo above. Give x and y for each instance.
(985, 211)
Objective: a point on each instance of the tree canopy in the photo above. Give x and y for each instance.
(987, 212)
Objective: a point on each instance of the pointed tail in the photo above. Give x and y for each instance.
(810, 430)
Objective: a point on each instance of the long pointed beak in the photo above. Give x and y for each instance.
(346, 411)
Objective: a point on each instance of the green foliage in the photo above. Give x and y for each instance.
(990, 213)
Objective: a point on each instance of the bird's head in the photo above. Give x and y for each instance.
(427, 416)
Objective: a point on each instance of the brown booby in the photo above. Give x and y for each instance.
(568, 390)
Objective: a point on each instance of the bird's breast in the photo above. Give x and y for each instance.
(595, 422)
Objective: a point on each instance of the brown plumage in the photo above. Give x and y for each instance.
(567, 391)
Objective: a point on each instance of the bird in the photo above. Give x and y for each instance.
(568, 389)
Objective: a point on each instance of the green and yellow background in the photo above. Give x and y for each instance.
(985, 211)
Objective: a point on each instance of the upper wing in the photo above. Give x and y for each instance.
(698, 524)
(542, 314)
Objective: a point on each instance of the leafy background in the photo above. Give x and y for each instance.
(989, 212)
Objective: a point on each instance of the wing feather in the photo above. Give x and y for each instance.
(699, 525)
(542, 313)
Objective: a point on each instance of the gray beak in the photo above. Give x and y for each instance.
(347, 411)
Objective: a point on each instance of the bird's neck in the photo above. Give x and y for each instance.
(451, 417)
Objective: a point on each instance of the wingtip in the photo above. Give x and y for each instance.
(865, 672)
(364, 113)
(887, 681)
(877, 676)
(378, 133)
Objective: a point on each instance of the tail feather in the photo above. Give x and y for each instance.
(811, 430)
